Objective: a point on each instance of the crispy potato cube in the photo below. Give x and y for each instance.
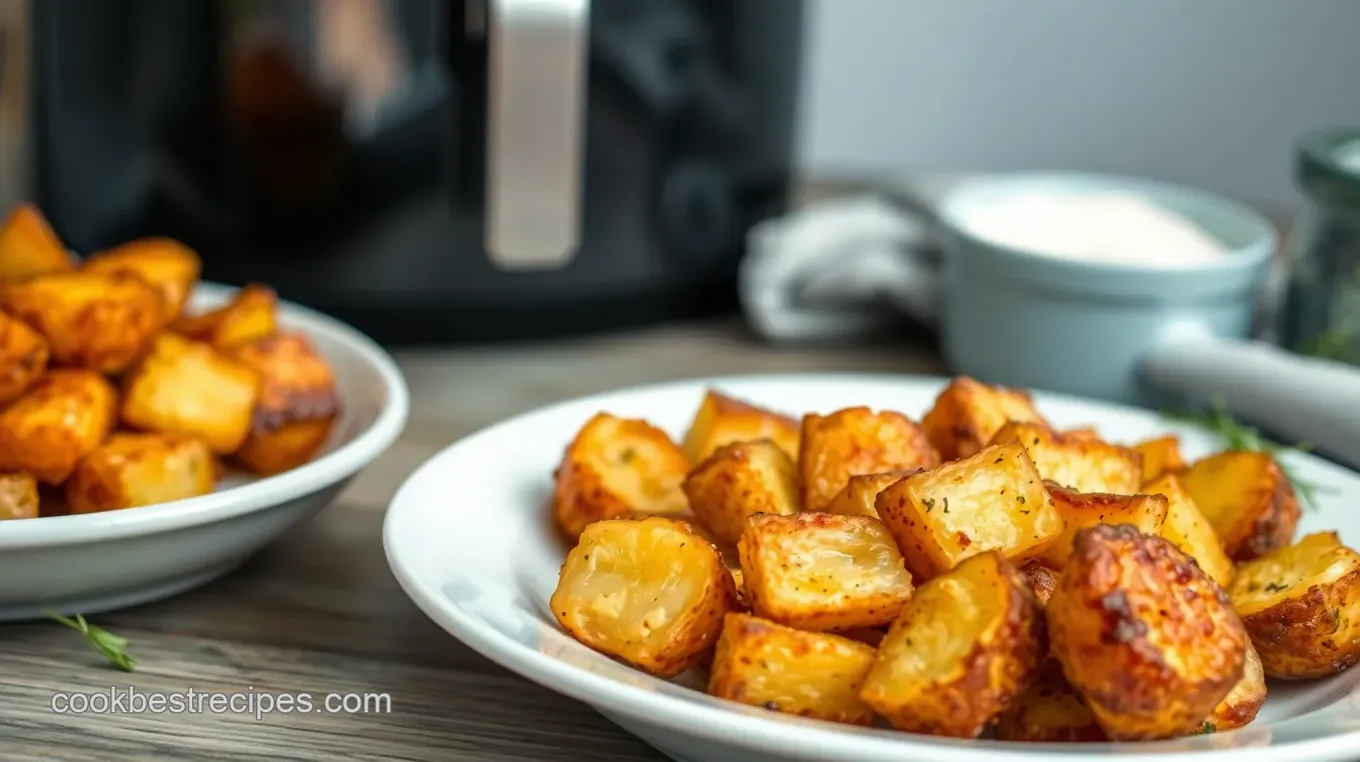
(1049, 711)
(967, 414)
(960, 651)
(29, 247)
(1189, 530)
(993, 500)
(133, 470)
(297, 406)
(18, 496)
(168, 265)
(811, 674)
(857, 499)
(618, 467)
(1248, 500)
(61, 418)
(738, 480)
(1301, 606)
(1147, 637)
(98, 321)
(184, 387)
(1084, 465)
(650, 592)
(723, 420)
(857, 441)
(816, 571)
(1042, 579)
(1146, 513)
(1244, 701)
(1160, 456)
(250, 316)
(23, 358)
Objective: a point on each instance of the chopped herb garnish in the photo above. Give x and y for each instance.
(1206, 729)
(1273, 587)
(946, 505)
(1336, 620)
(1020, 499)
(929, 503)
(105, 642)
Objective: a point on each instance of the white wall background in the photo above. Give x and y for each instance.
(1207, 92)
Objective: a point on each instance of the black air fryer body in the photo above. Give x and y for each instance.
(426, 169)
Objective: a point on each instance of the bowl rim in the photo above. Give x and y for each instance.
(342, 462)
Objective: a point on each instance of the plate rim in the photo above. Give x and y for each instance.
(790, 736)
(261, 494)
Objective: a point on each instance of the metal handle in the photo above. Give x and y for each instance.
(536, 99)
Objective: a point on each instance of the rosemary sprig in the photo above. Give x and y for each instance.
(111, 646)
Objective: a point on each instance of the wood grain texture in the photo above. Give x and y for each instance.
(319, 612)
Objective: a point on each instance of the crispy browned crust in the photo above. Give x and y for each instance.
(23, 358)
(1264, 512)
(738, 480)
(1313, 635)
(1244, 702)
(99, 321)
(857, 441)
(967, 414)
(1042, 580)
(1274, 526)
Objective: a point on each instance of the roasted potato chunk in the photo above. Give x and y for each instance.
(740, 479)
(1042, 580)
(857, 499)
(18, 496)
(1147, 637)
(64, 416)
(1248, 500)
(723, 420)
(1301, 606)
(23, 358)
(993, 500)
(618, 467)
(1079, 510)
(250, 316)
(967, 414)
(297, 405)
(97, 321)
(1084, 465)
(820, 572)
(962, 648)
(1160, 456)
(1049, 711)
(650, 592)
(1189, 530)
(1245, 699)
(168, 265)
(857, 441)
(29, 247)
(185, 387)
(811, 674)
(132, 470)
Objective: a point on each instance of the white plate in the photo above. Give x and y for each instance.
(470, 539)
(102, 561)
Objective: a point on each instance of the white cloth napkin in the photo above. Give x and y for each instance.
(839, 269)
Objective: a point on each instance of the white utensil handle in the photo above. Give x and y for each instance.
(1301, 399)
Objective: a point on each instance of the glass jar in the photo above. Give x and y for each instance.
(1321, 310)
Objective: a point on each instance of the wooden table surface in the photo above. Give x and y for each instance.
(320, 613)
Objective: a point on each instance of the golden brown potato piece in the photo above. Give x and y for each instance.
(740, 479)
(1079, 510)
(967, 414)
(857, 441)
(1189, 530)
(1084, 465)
(1247, 499)
(18, 496)
(133, 470)
(993, 500)
(1301, 606)
(650, 592)
(65, 415)
(98, 321)
(1160, 456)
(1042, 580)
(185, 387)
(1245, 699)
(250, 316)
(961, 650)
(297, 406)
(1147, 637)
(857, 499)
(29, 247)
(811, 674)
(618, 467)
(1049, 711)
(168, 265)
(816, 571)
(23, 358)
(723, 420)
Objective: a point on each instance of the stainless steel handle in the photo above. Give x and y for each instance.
(536, 100)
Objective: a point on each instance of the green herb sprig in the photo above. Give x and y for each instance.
(113, 647)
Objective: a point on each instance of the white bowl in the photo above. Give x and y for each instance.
(471, 542)
(102, 561)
